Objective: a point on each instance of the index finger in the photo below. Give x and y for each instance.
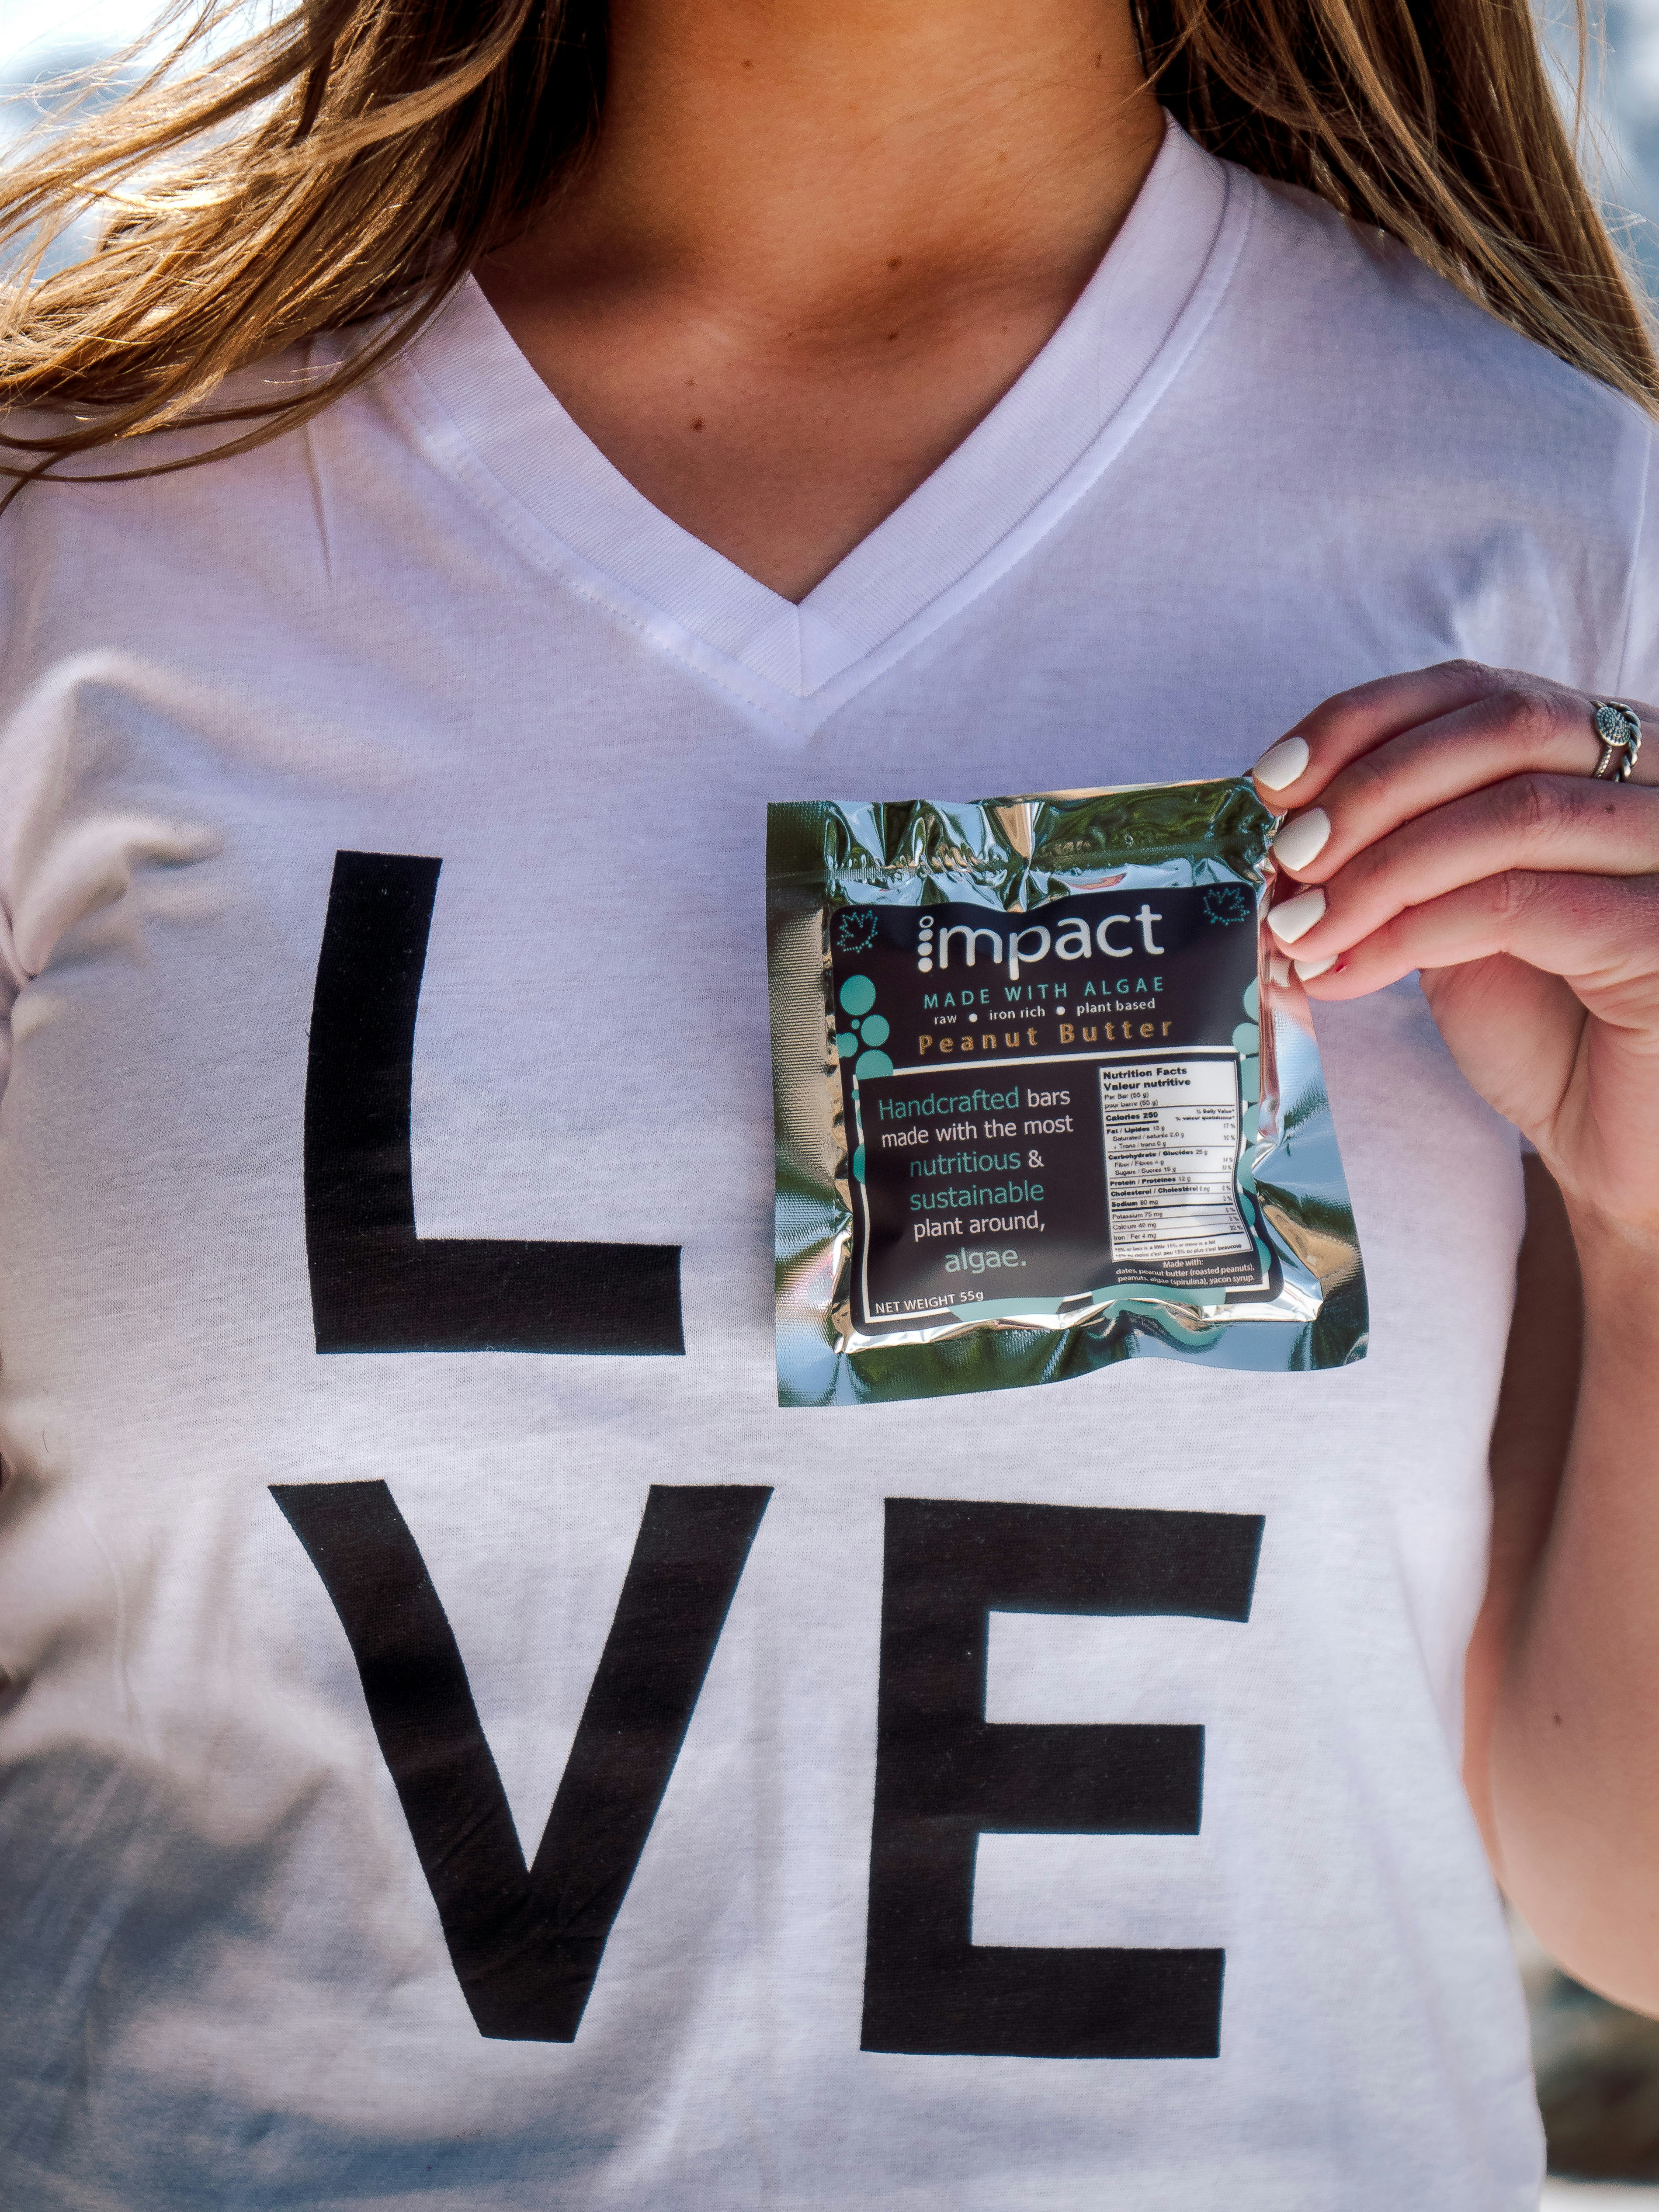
(1341, 728)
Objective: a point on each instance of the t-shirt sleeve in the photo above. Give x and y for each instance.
(1637, 677)
(13, 975)
(11, 981)
(74, 836)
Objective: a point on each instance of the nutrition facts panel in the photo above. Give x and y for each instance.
(1171, 1128)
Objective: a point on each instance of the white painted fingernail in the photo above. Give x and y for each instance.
(1278, 971)
(1302, 839)
(1281, 764)
(1294, 917)
(1307, 970)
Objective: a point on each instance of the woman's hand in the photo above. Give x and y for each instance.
(1448, 821)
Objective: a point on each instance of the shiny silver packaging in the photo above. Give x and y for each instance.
(1047, 1096)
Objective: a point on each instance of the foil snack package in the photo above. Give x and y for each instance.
(1047, 1096)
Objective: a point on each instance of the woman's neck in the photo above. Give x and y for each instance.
(814, 246)
(791, 150)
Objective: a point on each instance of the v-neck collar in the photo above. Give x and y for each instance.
(488, 417)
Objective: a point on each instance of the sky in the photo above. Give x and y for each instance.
(39, 37)
(98, 24)
(1630, 99)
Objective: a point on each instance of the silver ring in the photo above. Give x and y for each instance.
(1619, 729)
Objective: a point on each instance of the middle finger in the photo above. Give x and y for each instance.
(1544, 824)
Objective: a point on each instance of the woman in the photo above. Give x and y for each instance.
(538, 441)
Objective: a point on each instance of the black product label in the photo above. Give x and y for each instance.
(1044, 1108)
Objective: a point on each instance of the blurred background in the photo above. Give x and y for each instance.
(1598, 2067)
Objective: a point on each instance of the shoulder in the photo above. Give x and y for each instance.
(1347, 323)
(127, 544)
(1371, 436)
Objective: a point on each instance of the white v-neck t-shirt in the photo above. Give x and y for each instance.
(439, 1775)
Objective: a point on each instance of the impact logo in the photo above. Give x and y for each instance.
(1227, 904)
(1032, 942)
(855, 930)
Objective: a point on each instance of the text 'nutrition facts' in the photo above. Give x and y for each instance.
(1171, 1135)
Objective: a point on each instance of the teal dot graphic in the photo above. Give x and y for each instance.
(858, 996)
(874, 1028)
(872, 1063)
(1253, 999)
(846, 1043)
(1249, 1081)
(858, 1164)
(1247, 1037)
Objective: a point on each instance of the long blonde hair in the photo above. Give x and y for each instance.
(355, 158)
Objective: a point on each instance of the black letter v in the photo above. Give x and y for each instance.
(526, 1943)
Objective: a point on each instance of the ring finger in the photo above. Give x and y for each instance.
(1512, 730)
